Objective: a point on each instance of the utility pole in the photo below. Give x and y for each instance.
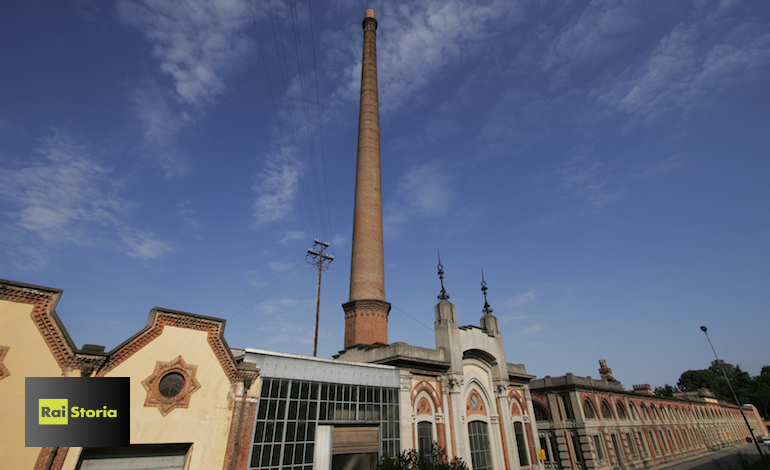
(319, 260)
(735, 397)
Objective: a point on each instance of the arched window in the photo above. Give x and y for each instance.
(606, 411)
(521, 443)
(631, 407)
(644, 413)
(588, 409)
(654, 413)
(424, 437)
(540, 413)
(621, 410)
(479, 441)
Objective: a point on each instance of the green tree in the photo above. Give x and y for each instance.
(666, 391)
(759, 392)
(694, 380)
(436, 459)
(754, 390)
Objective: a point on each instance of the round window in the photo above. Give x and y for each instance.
(171, 384)
(474, 401)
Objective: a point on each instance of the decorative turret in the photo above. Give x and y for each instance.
(605, 371)
(488, 321)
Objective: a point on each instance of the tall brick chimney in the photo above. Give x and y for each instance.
(366, 314)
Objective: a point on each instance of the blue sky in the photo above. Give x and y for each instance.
(605, 162)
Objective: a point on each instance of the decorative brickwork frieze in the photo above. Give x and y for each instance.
(428, 388)
(366, 322)
(4, 372)
(423, 407)
(51, 458)
(170, 395)
(213, 326)
(44, 318)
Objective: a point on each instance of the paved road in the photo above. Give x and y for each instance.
(723, 460)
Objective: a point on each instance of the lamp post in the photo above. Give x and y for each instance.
(729, 384)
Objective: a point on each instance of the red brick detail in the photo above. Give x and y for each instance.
(213, 326)
(43, 317)
(423, 407)
(241, 429)
(515, 410)
(441, 435)
(502, 436)
(451, 419)
(4, 372)
(533, 457)
(428, 388)
(480, 410)
(182, 399)
(366, 322)
(46, 453)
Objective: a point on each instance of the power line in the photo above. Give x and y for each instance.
(396, 308)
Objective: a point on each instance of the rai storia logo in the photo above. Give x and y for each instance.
(54, 411)
(76, 412)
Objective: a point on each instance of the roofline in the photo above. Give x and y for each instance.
(317, 359)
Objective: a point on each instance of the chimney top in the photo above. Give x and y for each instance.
(369, 13)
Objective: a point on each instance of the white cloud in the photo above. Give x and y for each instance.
(693, 61)
(159, 127)
(187, 213)
(521, 300)
(598, 32)
(281, 267)
(58, 192)
(424, 189)
(65, 196)
(293, 235)
(591, 181)
(276, 189)
(144, 244)
(531, 330)
(417, 40)
(196, 41)
(198, 44)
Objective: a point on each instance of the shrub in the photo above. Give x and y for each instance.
(435, 459)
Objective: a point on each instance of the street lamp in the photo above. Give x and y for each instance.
(729, 384)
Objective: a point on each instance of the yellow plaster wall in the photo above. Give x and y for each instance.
(29, 356)
(468, 368)
(206, 422)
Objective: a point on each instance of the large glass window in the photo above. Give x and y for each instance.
(540, 413)
(567, 406)
(152, 456)
(289, 412)
(424, 437)
(599, 448)
(479, 441)
(588, 409)
(578, 448)
(606, 411)
(521, 443)
(621, 411)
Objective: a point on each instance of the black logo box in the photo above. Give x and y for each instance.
(93, 393)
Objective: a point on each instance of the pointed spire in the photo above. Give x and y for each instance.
(487, 309)
(443, 295)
